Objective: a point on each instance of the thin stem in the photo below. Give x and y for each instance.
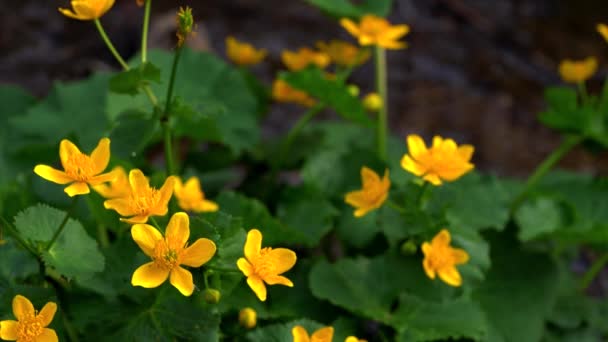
(153, 220)
(144, 32)
(381, 88)
(102, 235)
(13, 232)
(109, 44)
(582, 90)
(167, 114)
(568, 144)
(593, 271)
(224, 270)
(345, 73)
(424, 189)
(150, 95)
(62, 225)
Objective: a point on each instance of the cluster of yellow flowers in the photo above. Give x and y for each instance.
(579, 71)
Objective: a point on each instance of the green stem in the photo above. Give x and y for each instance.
(224, 270)
(593, 271)
(395, 206)
(144, 33)
(582, 90)
(109, 44)
(381, 88)
(153, 220)
(568, 144)
(167, 114)
(424, 189)
(102, 235)
(150, 95)
(13, 232)
(343, 74)
(62, 225)
(69, 328)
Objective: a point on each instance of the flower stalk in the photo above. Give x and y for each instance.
(109, 44)
(62, 225)
(381, 88)
(164, 120)
(593, 271)
(144, 32)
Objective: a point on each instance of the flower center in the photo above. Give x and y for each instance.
(29, 329)
(263, 265)
(441, 257)
(143, 201)
(80, 167)
(165, 257)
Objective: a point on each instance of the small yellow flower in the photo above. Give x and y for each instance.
(373, 30)
(143, 200)
(87, 9)
(169, 253)
(445, 161)
(241, 53)
(300, 334)
(190, 196)
(603, 30)
(344, 53)
(353, 339)
(373, 102)
(248, 318)
(304, 57)
(30, 324)
(283, 92)
(119, 187)
(80, 170)
(441, 258)
(264, 264)
(577, 71)
(373, 193)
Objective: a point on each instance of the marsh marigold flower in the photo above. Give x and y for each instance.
(190, 196)
(119, 187)
(344, 53)
(264, 264)
(169, 253)
(441, 258)
(248, 318)
(80, 170)
(373, 193)
(444, 161)
(143, 200)
(603, 30)
(577, 71)
(283, 92)
(353, 339)
(300, 334)
(87, 9)
(304, 57)
(30, 324)
(374, 30)
(241, 53)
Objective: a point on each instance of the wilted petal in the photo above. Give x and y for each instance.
(182, 280)
(197, 254)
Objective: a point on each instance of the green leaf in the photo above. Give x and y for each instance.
(282, 332)
(330, 92)
(131, 81)
(132, 132)
(538, 217)
(346, 8)
(22, 264)
(228, 234)
(39, 223)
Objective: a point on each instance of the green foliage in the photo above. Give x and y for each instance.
(130, 82)
(282, 332)
(346, 8)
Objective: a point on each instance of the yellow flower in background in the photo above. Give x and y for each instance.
(30, 325)
(242, 53)
(603, 30)
(87, 9)
(344, 53)
(373, 193)
(441, 258)
(374, 30)
(190, 196)
(168, 253)
(373, 102)
(444, 161)
(304, 57)
(283, 92)
(80, 170)
(264, 264)
(353, 339)
(300, 334)
(577, 71)
(248, 318)
(143, 200)
(119, 187)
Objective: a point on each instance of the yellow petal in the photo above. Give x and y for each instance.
(437, 141)
(426, 248)
(460, 256)
(22, 308)
(392, 45)
(178, 230)
(206, 206)
(253, 244)
(603, 30)
(451, 276)
(442, 238)
(369, 177)
(396, 32)
(121, 205)
(244, 266)
(299, 334)
(278, 280)
(9, 330)
(282, 259)
(362, 212)
(416, 146)
(104, 177)
(78, 188)
(146, 237)
(182, 280)
(466, 152)
(197, 254)
(408, 164)
(47, 335)
(149, 276)
(356, 198)
(101, 156)
(457, 170)
(323, 335)
(350, 26)
(428, 269)
(84, 10)
(69, 13)
(166, 191)
(47, 313)
(139, 182)
(432, 178)
(66, 150)
(135, 219)
(258, 287)
(52, 174)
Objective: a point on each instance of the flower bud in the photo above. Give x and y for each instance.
(248, 318)
(408, 247)
(212, 296)
(372, 102)
(185, 24)
(353, 90)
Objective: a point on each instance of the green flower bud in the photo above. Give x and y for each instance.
(212, 296)
(353, 90)
(408, 247)
(248, 318)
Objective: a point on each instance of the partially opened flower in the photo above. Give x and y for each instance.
(374, 30)
(119, 187)
(441, 258)
(300, 334)
(373, 102)
(283, 92)
(168, 253)
(80, 170)
(304, 57)
(373, 193)
(344, 53)
(444, 161)
(143, 200)
(190, 196)
(242, 53)
(87, 9)
(30, 325)
(577, 71)
(264, 265)
(603, 30)
(248, 318)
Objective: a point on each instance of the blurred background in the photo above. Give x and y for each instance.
(475, 69)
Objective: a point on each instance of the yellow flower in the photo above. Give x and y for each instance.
(241, 53)
(603, 30)
(372, 102)
(143, 200)
(264, 264)
(300, 334)
(353, 339)
(373, 193)
(87, 9)
(445, 161)
(577, 71)
(30, 325)
(441, 258)
(169, 253)
(283, 92)
(373, 30)
(304, 57)
(248, 318)
(344, 53)
(191, 197)
(119, 187)
(79, 169)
